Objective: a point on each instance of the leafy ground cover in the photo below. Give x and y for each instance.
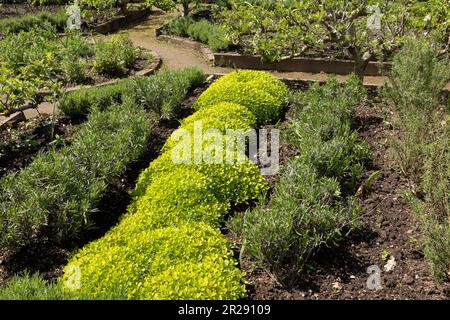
(60, 62)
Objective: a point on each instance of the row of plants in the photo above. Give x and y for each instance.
(169, 245)
(203, 31)
(312, 205)
(56, 195)
(162, 94)
(363, 30)
(421, 149)
(31, 20)
(39, 60)
(37, 2)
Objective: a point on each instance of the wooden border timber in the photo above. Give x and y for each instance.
(298, 64)
(119, 22)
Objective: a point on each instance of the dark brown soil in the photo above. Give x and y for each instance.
(48, 257)
(389, 230)
(22, 142)
(17, 10)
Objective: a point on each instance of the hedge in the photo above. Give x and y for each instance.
(161, 93)
(168, 245)
(312, 205)
(61, 188)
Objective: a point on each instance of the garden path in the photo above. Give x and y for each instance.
(176, 57)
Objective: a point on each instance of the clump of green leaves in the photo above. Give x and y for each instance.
(262, 93)
(60, 189)
(415, 84)
(178, 262)
(161, 93)
(434, 209)
(204, 31)
(164, 92)
(422, 145)
(30, 20)
(310, 207)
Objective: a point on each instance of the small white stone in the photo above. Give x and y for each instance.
(390, 265)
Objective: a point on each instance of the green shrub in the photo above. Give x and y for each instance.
(161, 93)
(235, 182)
(74, 44)
(437, 248)
(212, 35)
(434, 210)
(204, 31)
(30, 287)
(81, 102)
(309, 208)
(260, 92)
(214, 278)
(60, 189)
(415, 84)
(134, 261)
(25, 48)
(31, 20)
(114, 55)
(305, 213)
(164, 92)
(222, 116)
(422, 146)
(179, 26)
(75, 69)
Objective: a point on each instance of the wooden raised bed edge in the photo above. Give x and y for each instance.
(298, 64)
(119, 22)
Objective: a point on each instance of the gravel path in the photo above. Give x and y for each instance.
(173, 56)
(176, 57)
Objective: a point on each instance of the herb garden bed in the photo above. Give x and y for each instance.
(19, 144)
(63, 64)
(18, 10)
(388, 230)
(48, 256)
